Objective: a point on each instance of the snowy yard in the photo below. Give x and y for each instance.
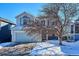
(50, 48)
(69, 48)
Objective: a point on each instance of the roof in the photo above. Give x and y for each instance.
(23, 14)
(6, 21)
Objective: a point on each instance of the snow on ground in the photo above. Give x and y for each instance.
(46, 49)
(7, 44)
(51, 47)
(69, 48)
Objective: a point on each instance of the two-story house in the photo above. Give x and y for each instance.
(19, 35)
(25, 20)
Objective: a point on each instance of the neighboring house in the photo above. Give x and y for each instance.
(75, 30)
(19, 35)
(72, 30)
(5, 30)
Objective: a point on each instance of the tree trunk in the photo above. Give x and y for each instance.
(47, 37)
(60, 40)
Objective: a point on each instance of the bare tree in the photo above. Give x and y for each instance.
(38, 27)
(69, 11)
(52, 12)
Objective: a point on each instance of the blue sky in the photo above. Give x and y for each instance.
(10, 10)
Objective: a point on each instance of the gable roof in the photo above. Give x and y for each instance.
(6, 21)
(23, 13)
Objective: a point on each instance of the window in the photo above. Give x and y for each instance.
(26, 21)
(21, 22)
(76, 28)
(43, 23)
(25, 17)
(48, 23)
(72, 29)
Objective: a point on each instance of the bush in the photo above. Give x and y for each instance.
(64, 38)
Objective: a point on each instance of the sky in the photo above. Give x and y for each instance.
(11, 10)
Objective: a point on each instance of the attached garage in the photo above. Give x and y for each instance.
(53, 38)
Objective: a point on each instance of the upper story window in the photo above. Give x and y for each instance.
(25, 17)
(72, 30)
(21, 22)
(48, 23)
(43, 23)
(26, 21)
(76, 28)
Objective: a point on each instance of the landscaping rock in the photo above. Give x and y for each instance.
(18, 50)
